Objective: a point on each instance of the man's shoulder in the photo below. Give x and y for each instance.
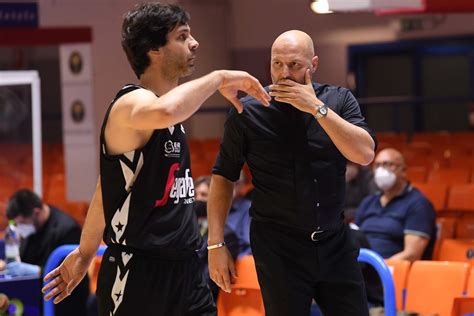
(62, 218)
(417, 197)
(369, 203)
(328, 88)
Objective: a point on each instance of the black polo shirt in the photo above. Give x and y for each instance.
(297, 171)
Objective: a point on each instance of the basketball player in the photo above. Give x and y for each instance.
(142, 206)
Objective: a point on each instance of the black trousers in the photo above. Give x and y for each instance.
(144, 285)
(292, 270)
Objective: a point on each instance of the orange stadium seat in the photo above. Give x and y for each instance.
(434, 138)
(245, 298)
(449, 176)
(456, 250)
(464, 305)
(433, 285)
(435, 192)
(394, 139)
(465, 226)
(445, 228)
(417, 174)
(461, 197)
(399, 269)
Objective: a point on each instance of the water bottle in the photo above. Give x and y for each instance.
(12, 243)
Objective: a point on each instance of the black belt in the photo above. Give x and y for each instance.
(316, 235)
(166, 254)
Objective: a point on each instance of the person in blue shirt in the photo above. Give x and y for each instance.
(399, 221)
(238, 220)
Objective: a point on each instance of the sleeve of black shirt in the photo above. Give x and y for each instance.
(351, 113)
(230, 160)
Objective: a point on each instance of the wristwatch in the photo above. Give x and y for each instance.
(322, 111)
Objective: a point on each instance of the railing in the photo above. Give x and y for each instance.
(376, 261)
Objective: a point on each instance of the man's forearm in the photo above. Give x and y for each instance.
(352, 141)
(94, 225)
(218, 205)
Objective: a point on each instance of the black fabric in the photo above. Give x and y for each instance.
(297, 172)
(156, 212)
(373, 284)
(356, 190)
(153, 286)
(151, 267)
(292, 271)
(59, 229)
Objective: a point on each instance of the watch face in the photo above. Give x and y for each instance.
(323, 110)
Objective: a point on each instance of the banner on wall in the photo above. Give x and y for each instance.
(17, 13)
(78, 121)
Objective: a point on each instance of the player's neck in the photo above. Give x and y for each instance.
(158, 82)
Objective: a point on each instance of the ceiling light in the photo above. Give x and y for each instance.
(320, 6)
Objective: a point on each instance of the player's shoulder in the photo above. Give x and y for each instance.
(131, 95)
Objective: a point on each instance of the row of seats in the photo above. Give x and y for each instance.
(433, 151)
(435, 176)
(442, 137)
(445, 198)
(432, 287)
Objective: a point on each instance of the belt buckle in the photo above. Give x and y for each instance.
(314, 235)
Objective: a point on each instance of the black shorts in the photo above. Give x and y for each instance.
(145, 285)
(293, 270)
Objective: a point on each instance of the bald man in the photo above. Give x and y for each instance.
(296, 150)
(399, 221)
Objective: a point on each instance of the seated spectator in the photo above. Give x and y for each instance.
(201, 191)
(239, 219)
(359, 184)
(201, 188)
(42, 229)
(399, 221)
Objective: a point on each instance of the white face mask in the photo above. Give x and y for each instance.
(25, 230)
(384, 179)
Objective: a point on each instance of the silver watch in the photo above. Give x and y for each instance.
(321, 112)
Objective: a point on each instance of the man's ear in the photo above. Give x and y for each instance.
(314, 63)
(154, 53)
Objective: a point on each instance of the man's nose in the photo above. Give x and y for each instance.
(286, 72)
(193, 44)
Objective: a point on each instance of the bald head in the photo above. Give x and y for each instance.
(294, 40)
(292, 56)
(390, 154)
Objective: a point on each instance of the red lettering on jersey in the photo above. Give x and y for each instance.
(169, 184)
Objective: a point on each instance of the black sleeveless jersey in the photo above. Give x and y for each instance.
(148, 193)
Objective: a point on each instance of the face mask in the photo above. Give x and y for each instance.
(384, 179)
(25, 230)
(200, 207)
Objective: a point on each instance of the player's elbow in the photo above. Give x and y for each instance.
(366, 156)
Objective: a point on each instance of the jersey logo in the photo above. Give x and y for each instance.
(172, 149)
(169, 183)
(181, 188)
